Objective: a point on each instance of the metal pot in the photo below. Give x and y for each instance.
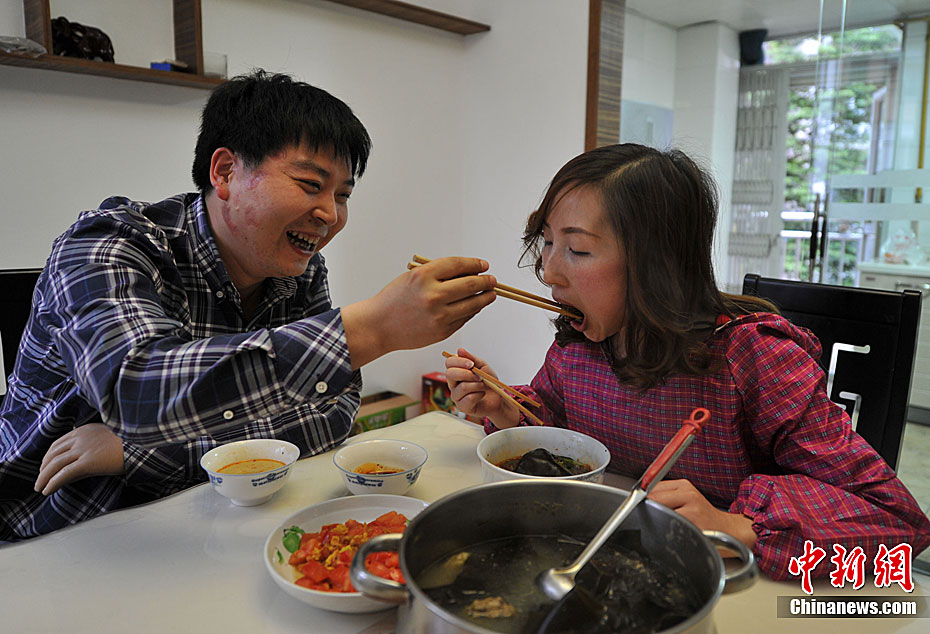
(540, 507)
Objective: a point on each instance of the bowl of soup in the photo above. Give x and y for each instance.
(384, 465)
(542, 452)
(250, 472)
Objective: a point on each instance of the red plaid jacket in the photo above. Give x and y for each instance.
(776, 449)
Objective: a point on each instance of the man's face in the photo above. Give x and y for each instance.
(273, 218)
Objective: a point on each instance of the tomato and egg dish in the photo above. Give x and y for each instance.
(323, 557)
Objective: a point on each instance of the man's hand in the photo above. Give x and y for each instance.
(418, 308)
(89, 450)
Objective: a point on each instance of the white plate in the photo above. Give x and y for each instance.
(364, 508)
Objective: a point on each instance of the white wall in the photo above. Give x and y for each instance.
(523, 119)
(694, 72)
(649, 59)
(914, 73)
(706, 91)
(467, 132)
(647, 88)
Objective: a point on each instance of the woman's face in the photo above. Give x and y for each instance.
(585, 264)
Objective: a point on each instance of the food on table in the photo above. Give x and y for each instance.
(541, 462)
(323, 558)
(257, 465)
(375, 468)
(493, 584)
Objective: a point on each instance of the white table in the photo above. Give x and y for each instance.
(193, 562)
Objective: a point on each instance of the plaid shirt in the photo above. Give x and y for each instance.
(136, 324)
(776, 448)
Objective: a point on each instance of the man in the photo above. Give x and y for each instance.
(160, 330)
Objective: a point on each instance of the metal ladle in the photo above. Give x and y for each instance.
(557, 582)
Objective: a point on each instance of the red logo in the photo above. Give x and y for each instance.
(891, 566)
(848, 567)
(806, 563)
(894, 566)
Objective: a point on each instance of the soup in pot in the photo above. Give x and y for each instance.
(493, 584)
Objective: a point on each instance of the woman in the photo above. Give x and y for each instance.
(624, 238)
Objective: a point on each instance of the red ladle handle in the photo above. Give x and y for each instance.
(664, 461)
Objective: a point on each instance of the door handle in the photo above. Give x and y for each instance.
(815, 224)
(812, 254)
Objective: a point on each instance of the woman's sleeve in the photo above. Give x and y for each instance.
(546, 388)
(836, 489)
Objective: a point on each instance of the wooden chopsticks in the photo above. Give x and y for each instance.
(514, 293)
(506, 392)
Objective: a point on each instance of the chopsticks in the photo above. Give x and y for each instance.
(506, 392)
(514, 293)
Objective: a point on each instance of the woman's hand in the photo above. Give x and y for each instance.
(471, 395)
(683, 497)
(89, 450)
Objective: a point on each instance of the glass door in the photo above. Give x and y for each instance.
(863, 189)
(844, 87)
(852, 208)
(823, 104)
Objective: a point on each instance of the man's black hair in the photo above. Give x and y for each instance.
(259, 114)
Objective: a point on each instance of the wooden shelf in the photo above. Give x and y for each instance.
(188, 46)
(106, 69)
(419, 15)
(188, 40)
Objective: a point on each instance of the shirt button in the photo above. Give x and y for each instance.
(220, 294)
(228, 415)
(321, 387)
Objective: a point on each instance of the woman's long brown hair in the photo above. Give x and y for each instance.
(662, 208)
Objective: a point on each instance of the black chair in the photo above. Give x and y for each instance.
(876, 332)
(16, 288)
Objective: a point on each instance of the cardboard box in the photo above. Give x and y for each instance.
(381, 410)
(437, 396)
(436, 393)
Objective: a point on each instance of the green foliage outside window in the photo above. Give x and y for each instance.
(849, 130)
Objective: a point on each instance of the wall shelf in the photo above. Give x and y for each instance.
(106, 69)
(188, 40)
(188, 47)
(418, 15)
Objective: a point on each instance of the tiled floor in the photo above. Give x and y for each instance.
(914, 468)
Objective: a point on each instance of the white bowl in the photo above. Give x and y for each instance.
(399, 454)
(252, 488)
(362, 509)
(516, 441)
